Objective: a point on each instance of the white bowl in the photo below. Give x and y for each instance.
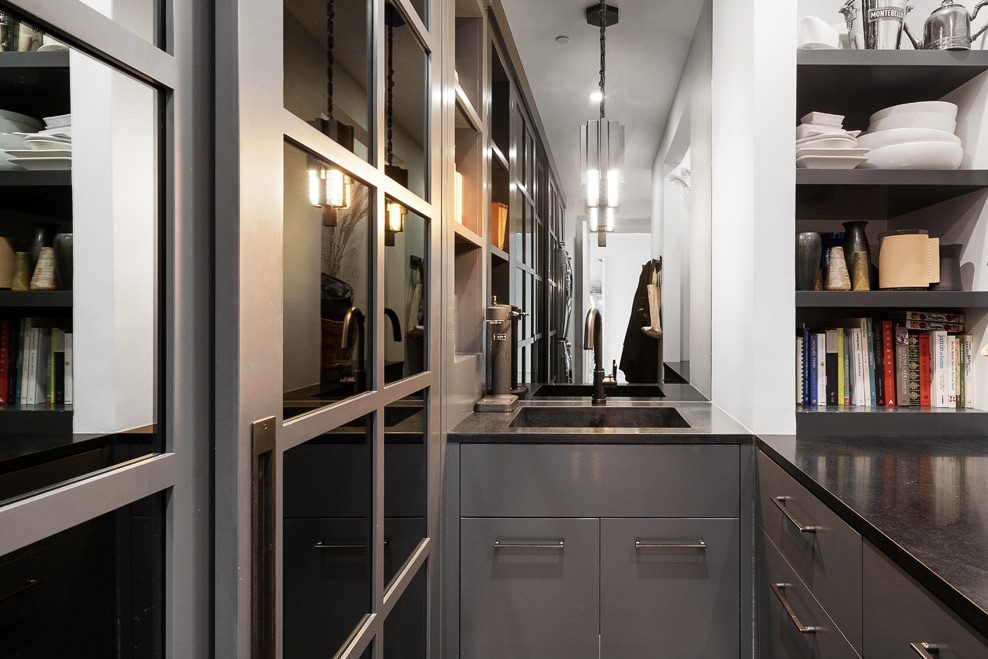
(11, 141)
(829, 162)
(940, 107)
(827, 142)
(814, 30)
(11, 122)
(903, 135)
(915, 155)
(933, 120)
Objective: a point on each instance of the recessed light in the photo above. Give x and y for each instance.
(596, 97)
(562, 38)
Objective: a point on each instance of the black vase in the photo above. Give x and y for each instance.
(855, 239)
(41, 235)
(950, 268)
(62, 243)
(809, 246)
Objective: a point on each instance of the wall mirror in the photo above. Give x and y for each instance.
(326, 283)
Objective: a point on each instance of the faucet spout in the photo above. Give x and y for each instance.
(593, 339)
(353, 326)
(395, 324)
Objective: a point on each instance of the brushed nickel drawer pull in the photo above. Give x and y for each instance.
(538, 544)
(778, 589)
(26, 585)
(925, 650)
(780, 503)
(699, 544)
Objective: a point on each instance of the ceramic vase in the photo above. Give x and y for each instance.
(43, 278)
(860, 271)
(808, 249)
(22, 272)
(7, 249)
(950, 268)
(855, 240)
(62, 244)
(837, 277)
(40, 237)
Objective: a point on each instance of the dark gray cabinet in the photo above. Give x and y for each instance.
(610, 551)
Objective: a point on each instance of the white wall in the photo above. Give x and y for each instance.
(754, 92)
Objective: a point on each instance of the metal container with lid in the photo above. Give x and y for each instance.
(948, 28)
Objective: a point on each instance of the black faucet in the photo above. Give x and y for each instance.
(593, 339)
(354, 320)
(395, 324)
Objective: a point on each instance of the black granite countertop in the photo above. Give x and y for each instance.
(707, 424)
(922, 501)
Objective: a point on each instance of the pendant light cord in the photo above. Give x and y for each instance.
(330, 16)
(603, 53)
(389, 153)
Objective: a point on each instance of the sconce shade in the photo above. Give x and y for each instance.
(601, 161)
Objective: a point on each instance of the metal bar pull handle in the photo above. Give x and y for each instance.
(699, 544)
(780, 503)
(925, 650)
(26, 585)
(344, 545)
(537, 544)
(779, 590)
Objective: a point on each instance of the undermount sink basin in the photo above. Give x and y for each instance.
(598, 417)
(612, 391)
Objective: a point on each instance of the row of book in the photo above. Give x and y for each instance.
(907, 359)
(35, 362)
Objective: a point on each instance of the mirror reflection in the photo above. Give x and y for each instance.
(406, 626)
(328, 557)
(326, 283)
(79, 167)
(326, 64)
(405, 103)
(405, 481)
(405, 268)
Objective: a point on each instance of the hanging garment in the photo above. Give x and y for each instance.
(640, 355)
(654, 328)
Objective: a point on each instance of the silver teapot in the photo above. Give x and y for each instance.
(948, 28)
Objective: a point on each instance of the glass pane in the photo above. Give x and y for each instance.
(420, 9)
(78, 324)
(405, 268)
(328, 561)
(405, 627)
(406, 486)
(326, 64)
(142, 17)
(406, 104)
(89, 589)
(326, 283)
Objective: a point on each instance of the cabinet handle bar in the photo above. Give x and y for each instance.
(925, 650)
(699, 544)
(778, 589)
(538, 544)
(780, 503)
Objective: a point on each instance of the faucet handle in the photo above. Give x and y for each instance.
(612, 378)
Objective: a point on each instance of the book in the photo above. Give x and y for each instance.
(68, 368)
(806, 366)
(938, 380)
(878, 362)
(969, 384)
(31, 395)
(799, 370)
(959, 356)
(888, 362)
(901, 340)
(913, 373)
(951, 368)
(58, 366)
(841, 377)
(813, 369)
(24, 360)
(848, 374)
(869, 350)
(4, 361)
(499, 224)
(859, 390)
(925, 370)
(934, 316)
(830, 364)
(821, 369)
(927, 325)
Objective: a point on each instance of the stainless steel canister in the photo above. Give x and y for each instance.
(875, 24)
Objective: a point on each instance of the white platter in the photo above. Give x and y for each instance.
(829, 162)
(41, 136)
(942, 107)
(58, 121)
(902, 135)
(43, 163)
(827, 142)
(38, 153)
(833, 151)
(45, 144)
(916, 155)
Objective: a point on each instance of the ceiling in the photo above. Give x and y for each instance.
(645, 55)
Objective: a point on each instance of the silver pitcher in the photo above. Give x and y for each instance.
(948, 28)
(875, 24)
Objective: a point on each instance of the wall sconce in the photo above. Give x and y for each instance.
(394, 221)
(329, 188)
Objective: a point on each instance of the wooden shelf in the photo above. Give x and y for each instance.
(464, 235)
(857, 83)
(500, 254)
(467, 116)
(849, 194)
(497, 157)
(851, 420)
(892, 299)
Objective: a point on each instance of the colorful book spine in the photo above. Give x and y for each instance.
(869, 339)
(969, 384)
(821, 369)
(848, 373)
(901, 366)
(799, 370)
(951, 356)
(859, 389)
(68, 368)
(878, 363)
(841, 378)
(813, 369)
(913, 369)
(888, 362)
(831, 365)
(925, 370)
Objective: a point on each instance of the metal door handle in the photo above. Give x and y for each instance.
(925, 650)
(781, 505)
(538, 544)
(778, 589)
(27, 585)
(344, 545)
(699, 544)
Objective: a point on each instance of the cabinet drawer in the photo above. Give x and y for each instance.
(826, 558)
(588, 480)
(523, 601)
(671, 584)
(898, 612)
(779, 629)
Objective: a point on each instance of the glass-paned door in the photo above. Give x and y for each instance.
(328, 451)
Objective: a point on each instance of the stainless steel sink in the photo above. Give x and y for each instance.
(598, 417)
(612, 391)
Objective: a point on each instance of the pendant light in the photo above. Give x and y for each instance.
(329, 187)
(602, 143)
(394, 220)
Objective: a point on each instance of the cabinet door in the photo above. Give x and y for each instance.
(533, 594)
(898, 612)
(669, 587)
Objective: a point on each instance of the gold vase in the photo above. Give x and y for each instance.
(22, 272)
(861, 274)
(43, 278)
(837, 277)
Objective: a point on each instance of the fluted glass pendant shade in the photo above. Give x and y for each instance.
(601, 161)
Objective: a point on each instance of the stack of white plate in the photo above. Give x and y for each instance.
(49, 148)
(822, 143)
(914, 136)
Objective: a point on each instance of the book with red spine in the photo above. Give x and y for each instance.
(925, 367)
(888, 347)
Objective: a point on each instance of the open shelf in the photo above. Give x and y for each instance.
(892, 299)
(35, 84)
(499, 254)
(850, 194)
(466, 115)
(857, 83)
(497, 157)
(850, 420)
(466, 237)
